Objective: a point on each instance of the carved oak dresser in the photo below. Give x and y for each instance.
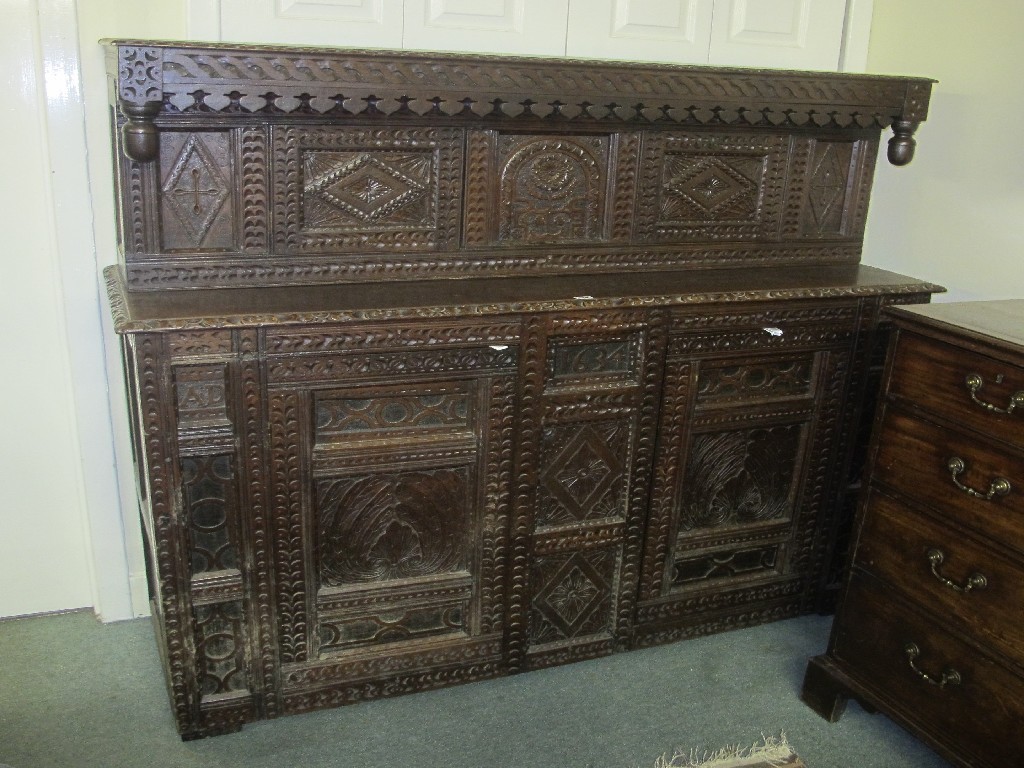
(929, 626)
(449, 367)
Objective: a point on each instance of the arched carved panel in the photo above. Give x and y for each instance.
(552, 189)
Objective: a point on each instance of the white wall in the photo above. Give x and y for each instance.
(61, 541)
(955, 215)
(44, 540)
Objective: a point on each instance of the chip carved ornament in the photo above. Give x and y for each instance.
(161, 80)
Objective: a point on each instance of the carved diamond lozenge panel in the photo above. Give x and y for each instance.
(711, 187)
(831, 168)
(392, 526)
(366, 190)
(196, 206)
(573, 595)
(740, 476)
(584, 474)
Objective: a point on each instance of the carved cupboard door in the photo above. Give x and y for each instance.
(752, 421)
(390, 453)
(590, 400)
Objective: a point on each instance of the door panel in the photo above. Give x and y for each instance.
(677, 31)
(787, 34)
(507, 26)
(356, 23)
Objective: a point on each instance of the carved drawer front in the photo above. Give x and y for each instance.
(955, 473)
(968, 388)
(391, 477)
(744, 437)
(949, 573)
(594, 457)
(929, 677)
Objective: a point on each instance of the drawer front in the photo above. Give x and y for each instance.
(979, 715)
(914, 459)
(934, 376)
(949, 573)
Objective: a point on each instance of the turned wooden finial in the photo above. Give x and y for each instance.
(141, 138)
(902, 143)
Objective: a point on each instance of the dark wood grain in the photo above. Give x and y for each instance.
(448, 367)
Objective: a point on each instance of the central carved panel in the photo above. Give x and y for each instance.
(584, 476)
(739, 477)
(353, 188)
(362, 190)
(552, 189)
(392, 526)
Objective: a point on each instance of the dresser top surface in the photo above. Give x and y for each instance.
(1001, 320)
(205, 308)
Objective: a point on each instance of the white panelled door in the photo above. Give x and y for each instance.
(785, 34)
(641, 30)
(535, 27)
(342, 23)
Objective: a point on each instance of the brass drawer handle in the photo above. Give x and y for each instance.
(975, 382)
(975, 581)
(949, 675)
(998, 487)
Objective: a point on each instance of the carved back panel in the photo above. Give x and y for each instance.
(338, 166)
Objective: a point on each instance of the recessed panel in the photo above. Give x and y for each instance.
(360, 190)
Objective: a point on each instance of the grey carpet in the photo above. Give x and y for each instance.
(77, 693)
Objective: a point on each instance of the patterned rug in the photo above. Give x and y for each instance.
(771, 753)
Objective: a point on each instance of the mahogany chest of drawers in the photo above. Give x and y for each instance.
(930, 627)
(448, 367)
